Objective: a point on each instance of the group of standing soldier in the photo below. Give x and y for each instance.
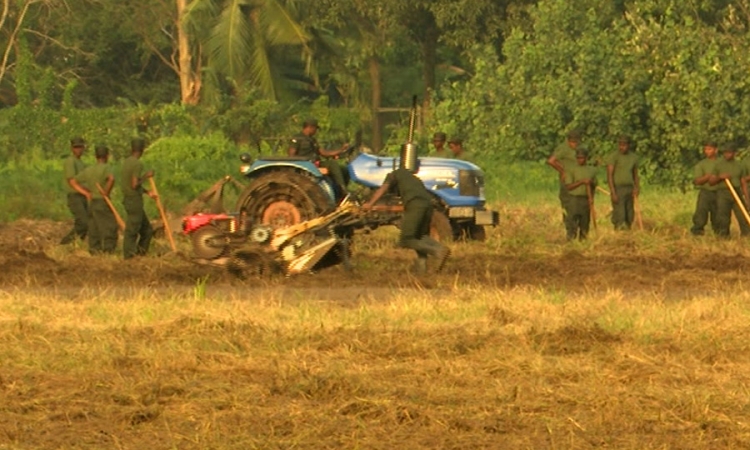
(455, 147)
(716, 202)
(88, 192)
(712, 176)
(578, 184)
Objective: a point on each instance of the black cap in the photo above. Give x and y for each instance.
(439, 136)
(310, 123)
(77, 142)
(101, 151)
(456, 140)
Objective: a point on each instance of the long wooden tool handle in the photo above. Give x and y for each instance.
(738, 200)
(167, 230)
(637, 208)
(120, 222)
(592, 210)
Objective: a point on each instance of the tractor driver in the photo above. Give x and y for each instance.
(304, 144)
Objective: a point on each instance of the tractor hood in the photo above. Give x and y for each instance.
(456, 182)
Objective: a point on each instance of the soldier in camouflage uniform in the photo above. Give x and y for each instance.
(563, 158)
(304, 144)
(138, 230)
(102, 226)
(415, 224)
(580, 181)
(728, 168)
(438, 141)
(456, 146)
(622, 177)
(77, 203)
(705, 207)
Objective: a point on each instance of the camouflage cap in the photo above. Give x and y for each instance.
(728, 148)
(624, 138)
(439, 136)
(582, 152)
(77, 142)
(311, 122)
(710, 143)
(456, 140)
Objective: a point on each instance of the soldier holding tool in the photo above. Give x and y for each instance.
(138, 230)
(102, 226)
(727, 177)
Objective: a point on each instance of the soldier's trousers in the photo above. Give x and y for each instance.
(564, 196)
(725, 205)
(705, 210)
(415, 224)
(102, 227)
(578, 217)
(336, 172)
(138, 231)
(78, 206)
(623, 211)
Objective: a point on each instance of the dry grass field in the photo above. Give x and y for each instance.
(632, 340)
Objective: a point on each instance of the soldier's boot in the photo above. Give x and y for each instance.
(68, 238)
(438, 251)
(441, 256)
(420, 265)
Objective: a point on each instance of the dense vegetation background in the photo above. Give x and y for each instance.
(206, 79)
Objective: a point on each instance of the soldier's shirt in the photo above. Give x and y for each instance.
(93, 175)
(703, 168)
(464, 156)
(131, 167)
(72, 166)
(306, 146)
(623, 164)
(578, 173)
(408, 186)
(734, 168)
(566, 155)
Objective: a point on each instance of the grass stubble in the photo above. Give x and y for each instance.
(448, 362)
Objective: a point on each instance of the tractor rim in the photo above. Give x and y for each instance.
(280, 214)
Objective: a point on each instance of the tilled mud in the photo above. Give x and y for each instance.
(32, 258)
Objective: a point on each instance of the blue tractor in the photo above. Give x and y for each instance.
(285, 191)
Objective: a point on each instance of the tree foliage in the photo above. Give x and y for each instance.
(663, 72)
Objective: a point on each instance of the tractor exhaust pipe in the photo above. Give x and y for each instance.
(409, 150)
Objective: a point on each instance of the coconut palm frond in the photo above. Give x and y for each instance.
(197, 13)
(280, 26)
(260, 67)
(231, 40)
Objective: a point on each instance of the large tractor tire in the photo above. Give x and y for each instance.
(440, 227)
(282, 198)
(472, 232)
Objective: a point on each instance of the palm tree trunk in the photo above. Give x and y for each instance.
(377, 138)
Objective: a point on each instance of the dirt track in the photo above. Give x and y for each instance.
(31, 259)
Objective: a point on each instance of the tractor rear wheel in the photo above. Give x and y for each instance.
(472, 232)
(440, 227)
(283, 198)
